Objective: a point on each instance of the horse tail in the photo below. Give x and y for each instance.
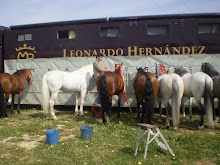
(45, 95)
(2, 103)
(208, 101)
(149, 100)
(104, 96)
(175, 102)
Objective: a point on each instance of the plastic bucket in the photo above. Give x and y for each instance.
(86, 132)
(52, 136)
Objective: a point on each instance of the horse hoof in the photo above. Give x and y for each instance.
(200, 126)
(183, 119)
(54, 118)
(81, 114)
(175, 128)
(219, 121)
(168, 126)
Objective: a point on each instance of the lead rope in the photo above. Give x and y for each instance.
(124, 91)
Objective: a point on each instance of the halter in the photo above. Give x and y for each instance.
(163, 69)
(118, 67)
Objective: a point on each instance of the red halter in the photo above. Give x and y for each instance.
(163, 69)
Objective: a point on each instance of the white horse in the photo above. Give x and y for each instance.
(55, 81)
(198, 85)
(170, 87)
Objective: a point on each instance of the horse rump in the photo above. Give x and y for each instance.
(104, 97)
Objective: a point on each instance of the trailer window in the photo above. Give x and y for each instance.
(157, 29)
(110, 32)
(24, 37)
(66, 34)
(209, 28)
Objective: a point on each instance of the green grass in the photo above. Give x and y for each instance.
(23, 141)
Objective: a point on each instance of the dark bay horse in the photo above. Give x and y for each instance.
(214, 74)
(15, 84)
(109, 84)
(146, 88)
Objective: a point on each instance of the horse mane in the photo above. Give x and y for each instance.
(19, 71)
(140, 70)
(180, 71)
(209, 69)
(87, 66)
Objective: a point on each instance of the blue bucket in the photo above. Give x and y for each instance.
(86, 132)
(52, 136)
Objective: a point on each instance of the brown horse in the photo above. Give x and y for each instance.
(146, 88)
(109, 84)
(15, 84)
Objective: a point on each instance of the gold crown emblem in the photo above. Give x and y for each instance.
(25, 47)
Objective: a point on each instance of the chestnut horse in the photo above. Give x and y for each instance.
(109, 84)
(146, 89)
(15, 84)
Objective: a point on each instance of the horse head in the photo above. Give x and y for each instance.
(29, 76)
(118, 67)
(180, 71)
(209, 69)
(205, 66)
(141, 70)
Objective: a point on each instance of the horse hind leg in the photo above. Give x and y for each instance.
(168, 114)
(12, 103)
(51, 103)
(6, 102)
(77, 103)
(19, 101)
(83, 93)
(119, 103)
(218, 110)
(160, 110)
(18, 106)
(183, 109)
(190, 108)
(213, 108)
(202, 113)
(138, 109)
(103, 117)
